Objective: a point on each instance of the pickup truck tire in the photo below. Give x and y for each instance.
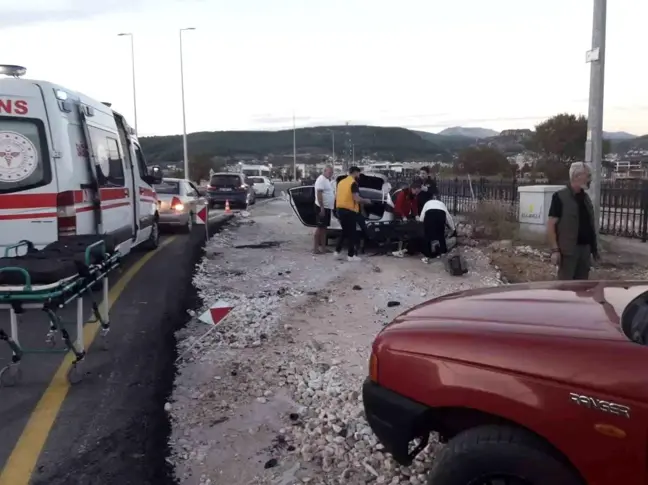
(499, 454)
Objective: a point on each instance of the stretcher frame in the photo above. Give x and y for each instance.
(51, 298)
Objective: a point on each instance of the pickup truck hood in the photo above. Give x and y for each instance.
(567, 332)
(582, 309)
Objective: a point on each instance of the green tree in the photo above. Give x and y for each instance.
(200, 166)
(484, 161)
(561, 138)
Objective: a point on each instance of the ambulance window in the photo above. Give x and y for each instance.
(116, 170)
(110, 166)
(141, 163)
(24, 159)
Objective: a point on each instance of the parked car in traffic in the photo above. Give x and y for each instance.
(535, 384)
(234, 188)
(263, 186)
(179, 201)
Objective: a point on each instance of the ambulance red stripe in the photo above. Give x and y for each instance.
(48, 200)
(33, 215)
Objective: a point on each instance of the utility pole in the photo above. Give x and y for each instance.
(132, 46)
(294, 149)
(185, 147)
(594, 143)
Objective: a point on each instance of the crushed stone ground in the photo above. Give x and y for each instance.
(272, 395)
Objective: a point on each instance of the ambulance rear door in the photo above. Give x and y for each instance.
(28, 185)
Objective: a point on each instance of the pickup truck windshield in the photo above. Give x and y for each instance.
(24, 160)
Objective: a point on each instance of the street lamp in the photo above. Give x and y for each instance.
(332, 142)
(132, 43)
(294, 148)
(185, 150)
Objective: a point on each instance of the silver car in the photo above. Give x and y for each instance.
(179, 201)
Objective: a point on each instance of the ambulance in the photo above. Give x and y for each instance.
(70, 165)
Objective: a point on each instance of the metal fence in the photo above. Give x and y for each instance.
(624, 203)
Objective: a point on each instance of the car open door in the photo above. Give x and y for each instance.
(302, 201)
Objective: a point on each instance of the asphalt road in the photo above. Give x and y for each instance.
(111, 428)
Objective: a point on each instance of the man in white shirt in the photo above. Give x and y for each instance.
(436, 220)
(324, 202)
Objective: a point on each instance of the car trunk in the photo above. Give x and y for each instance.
(302, 199)
(166, 191)
(225, 183)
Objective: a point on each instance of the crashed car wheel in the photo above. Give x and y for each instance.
(494, 455)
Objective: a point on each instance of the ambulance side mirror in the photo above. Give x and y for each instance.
(154, 175)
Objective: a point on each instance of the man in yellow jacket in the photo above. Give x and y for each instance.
(347, 204)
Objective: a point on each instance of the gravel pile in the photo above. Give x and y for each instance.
(272, 395)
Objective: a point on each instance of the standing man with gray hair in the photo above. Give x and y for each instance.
(324, 202)
(571, 227)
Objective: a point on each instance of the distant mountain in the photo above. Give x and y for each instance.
(449, 142)
(387, 143)
(618, 135)
(469, 132)
(623, 146)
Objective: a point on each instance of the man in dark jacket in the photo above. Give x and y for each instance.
(429, 188)
(571, 228)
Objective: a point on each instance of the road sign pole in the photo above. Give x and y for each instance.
(207, 223)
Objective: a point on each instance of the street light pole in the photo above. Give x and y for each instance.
(132, 43)
(185, 149)
(294, 149)
(594, 143)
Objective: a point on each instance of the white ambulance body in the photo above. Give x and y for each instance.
(70, 165)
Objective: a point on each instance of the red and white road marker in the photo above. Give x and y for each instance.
(202, 218)
(216, 313)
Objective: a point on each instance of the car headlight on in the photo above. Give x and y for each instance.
(178, 207)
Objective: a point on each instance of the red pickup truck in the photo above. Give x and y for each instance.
(533, 384)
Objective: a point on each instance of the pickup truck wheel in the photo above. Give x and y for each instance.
(499, 455)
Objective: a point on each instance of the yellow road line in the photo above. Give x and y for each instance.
(22, 461)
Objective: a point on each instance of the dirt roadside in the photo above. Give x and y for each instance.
(272, 396)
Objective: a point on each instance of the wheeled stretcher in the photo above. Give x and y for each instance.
(64, 272)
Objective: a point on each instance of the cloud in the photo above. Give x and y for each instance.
(38, 11)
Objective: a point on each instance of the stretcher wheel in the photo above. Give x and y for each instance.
(10, 375)
(75, 374)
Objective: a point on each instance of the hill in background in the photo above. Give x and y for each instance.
(376, 142)
(388, 143)
(469, 132)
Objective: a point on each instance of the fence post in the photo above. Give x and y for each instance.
(454, 196)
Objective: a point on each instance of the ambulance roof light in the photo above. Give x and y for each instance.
(12, 71)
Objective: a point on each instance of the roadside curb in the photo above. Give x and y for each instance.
(176, 319)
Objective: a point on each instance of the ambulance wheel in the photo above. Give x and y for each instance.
(154, 239)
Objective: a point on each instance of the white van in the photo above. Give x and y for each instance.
(70, 165)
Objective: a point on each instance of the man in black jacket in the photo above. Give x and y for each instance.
(429, 188)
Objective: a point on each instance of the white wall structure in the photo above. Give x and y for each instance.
(534, 208)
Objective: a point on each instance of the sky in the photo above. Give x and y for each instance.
(251, 64)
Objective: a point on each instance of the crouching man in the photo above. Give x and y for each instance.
(437, 222)
(406, 209)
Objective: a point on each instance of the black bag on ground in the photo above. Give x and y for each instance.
(456, 265)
